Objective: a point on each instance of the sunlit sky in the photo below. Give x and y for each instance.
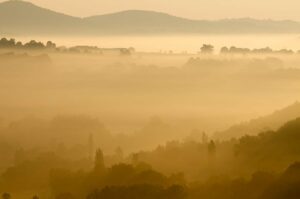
(195, 9)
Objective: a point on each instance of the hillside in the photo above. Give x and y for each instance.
(271, 150)
(140, 22)
(17, 16)
(255, 126)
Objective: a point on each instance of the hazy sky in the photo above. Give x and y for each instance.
(197, 9)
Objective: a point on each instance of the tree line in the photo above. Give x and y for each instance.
(12, 43)
(49, 45)
(209, 49)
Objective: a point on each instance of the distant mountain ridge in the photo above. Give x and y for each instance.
(23, 18)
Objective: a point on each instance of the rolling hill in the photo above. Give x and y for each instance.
(23, 18)
(19, 17)
(258, 125)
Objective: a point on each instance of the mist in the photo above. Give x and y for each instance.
(143, 104)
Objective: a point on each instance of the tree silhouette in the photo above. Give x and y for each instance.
(5, 43)
(6, 196)
(207, 49)
(50, 45)
(211, 147)
(224, 50)
(119, 153)
(99, 162)
(34, 45)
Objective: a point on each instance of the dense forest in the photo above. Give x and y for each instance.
(262, 166)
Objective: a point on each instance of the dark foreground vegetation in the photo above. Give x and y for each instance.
(272, 156)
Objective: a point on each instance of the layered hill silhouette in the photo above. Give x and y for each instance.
(271, 149)
(24, 18)
(258, 125)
